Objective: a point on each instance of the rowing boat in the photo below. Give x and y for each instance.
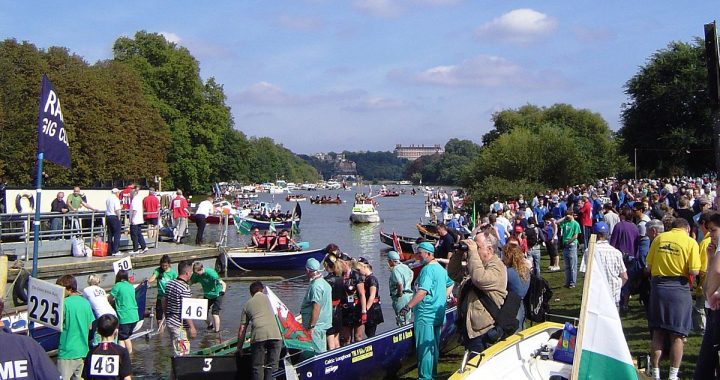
(406, 243)
(257, 259)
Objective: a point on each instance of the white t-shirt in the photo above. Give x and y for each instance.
(204, 208)
(112, 205)
(136, 210)
(98, 300)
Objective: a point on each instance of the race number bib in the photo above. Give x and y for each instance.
(123, 264)
(45, 303)
(194, 308)
(104, 365)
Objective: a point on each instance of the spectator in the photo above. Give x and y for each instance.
(518, 277)
(484, 273)
(372, 316)
(175, 291)
(136, 222)
(107, 327)
(672, 258)
(550, 238)
(569, 231)
(58, 205)
(625, 235)
(533, 237)
(123, 294)
(205, 209)
(443, 248)
(611, 261)
(610, 217)
(707, 364)
(151, 209)
(266, 340)
(586, 220)
(699, 315)
(113, 208)
(180, 215)
(335, 269)
(76, 200)
(77, 322)
(400, 286)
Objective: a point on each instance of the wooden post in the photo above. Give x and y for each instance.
(583, 307)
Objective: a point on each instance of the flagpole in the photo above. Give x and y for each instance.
(583, 308)
(36, 221)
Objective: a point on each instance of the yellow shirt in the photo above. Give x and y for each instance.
(704, 243)
(673, 253)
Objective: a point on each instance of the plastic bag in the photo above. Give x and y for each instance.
(565, 349)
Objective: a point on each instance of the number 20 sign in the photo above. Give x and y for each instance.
(45, 303)
(194, 308)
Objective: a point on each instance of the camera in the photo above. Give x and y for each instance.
(460, 247)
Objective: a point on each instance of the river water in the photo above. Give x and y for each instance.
(320, 225)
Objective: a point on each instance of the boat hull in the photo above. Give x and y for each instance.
(406, 243)
(365, 218)
(257, 260)
(383, 356)
(265, 225)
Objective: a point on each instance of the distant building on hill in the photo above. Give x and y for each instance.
(413, 152)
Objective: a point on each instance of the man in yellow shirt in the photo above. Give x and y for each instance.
(673, 257)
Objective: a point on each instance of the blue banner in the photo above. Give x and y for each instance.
(52, 136)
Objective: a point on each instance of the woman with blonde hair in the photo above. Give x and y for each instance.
(518, 276)
(371, 312)
(335, 268)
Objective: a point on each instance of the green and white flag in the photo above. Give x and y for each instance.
(601, 346)
(272, 226)
(243, 226)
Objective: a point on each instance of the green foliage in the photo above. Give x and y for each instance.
(449, 168)
(374, 166)
(270, 162)
(668, 113)
(113, 131)
(535, 147)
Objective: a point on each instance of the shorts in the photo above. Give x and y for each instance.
(215, 305)
(151, 221)
(350, 315)
(181, 344)
(125, 330)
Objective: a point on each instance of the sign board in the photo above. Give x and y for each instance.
(194, 308)
(125, 264)
(45, 303)
(104, 365)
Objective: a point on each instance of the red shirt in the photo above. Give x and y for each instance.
(586, 214)
(179, 207)
(151, 205)
(125, 197)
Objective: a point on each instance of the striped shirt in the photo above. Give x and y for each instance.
(612, 264)
(175, 291)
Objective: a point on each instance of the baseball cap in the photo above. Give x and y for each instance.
(518, 229)
(601, 228)
(427, 247)
(313, 264)
(115, 190)
(364, 260)
(394, 256)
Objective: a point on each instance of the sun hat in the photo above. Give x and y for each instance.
(394, 256)
(427, 247)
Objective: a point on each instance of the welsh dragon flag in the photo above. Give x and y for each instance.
(602, 351)
(293, 333)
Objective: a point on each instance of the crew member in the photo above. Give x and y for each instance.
(123, 294)
(266, 340)
(400, 285)
(77, 322)
(205, 209)
(97, 366)
(213, 291)
(428, 304)
(175, 291)
(316, 309)
(23, 357)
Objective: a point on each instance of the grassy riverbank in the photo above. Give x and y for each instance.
(567, 302)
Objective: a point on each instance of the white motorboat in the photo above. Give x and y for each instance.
(364, 213)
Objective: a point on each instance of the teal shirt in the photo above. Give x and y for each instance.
(319, 292)
(210, 281)
(77, 317)
(434, 280)
(569, 228)
(401, 274)
(125, 302)
(163, 279)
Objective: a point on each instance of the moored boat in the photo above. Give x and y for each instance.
(364, 213)
(326, 201)
(406, 243)
(256, 259)
(384, 355)
(428, 231)
(295, 198)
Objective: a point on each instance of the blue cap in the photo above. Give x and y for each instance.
(427, 247)
(394, 256)
(313, 264)
(601, 228)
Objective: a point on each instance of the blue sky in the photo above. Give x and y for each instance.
(322, 75)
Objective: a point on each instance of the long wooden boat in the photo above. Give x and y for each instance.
(295, 198)
(256, 259)
(406, 242)
(428, 231)
(17, 322)
(384, 356)
(333, 201)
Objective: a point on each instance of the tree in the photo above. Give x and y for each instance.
(668, 113)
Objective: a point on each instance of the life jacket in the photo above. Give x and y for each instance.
(282, 242)
(262, 241)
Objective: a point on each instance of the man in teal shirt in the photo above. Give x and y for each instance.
(77, 321)
(401, 292)
(213, 291)
(428, 305)
(570, 230)
(316, 309)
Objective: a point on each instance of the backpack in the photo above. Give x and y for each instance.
(537, 299)
(506, 316)
(532, 237)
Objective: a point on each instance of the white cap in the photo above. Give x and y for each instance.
(115, 190)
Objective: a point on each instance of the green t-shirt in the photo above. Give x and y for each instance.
(434, 280)
(163, 279)
(319, 292)
(75, 201)
(210, 281)
(401, 274)
(125, 303)
(77, 318)
(569, 228)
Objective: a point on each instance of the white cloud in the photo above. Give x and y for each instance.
(171, 37)
(390, 8)
(518, 26)
(481, 71)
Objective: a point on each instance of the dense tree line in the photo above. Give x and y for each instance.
(448, 168)
(145, 113)
(378, 165)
